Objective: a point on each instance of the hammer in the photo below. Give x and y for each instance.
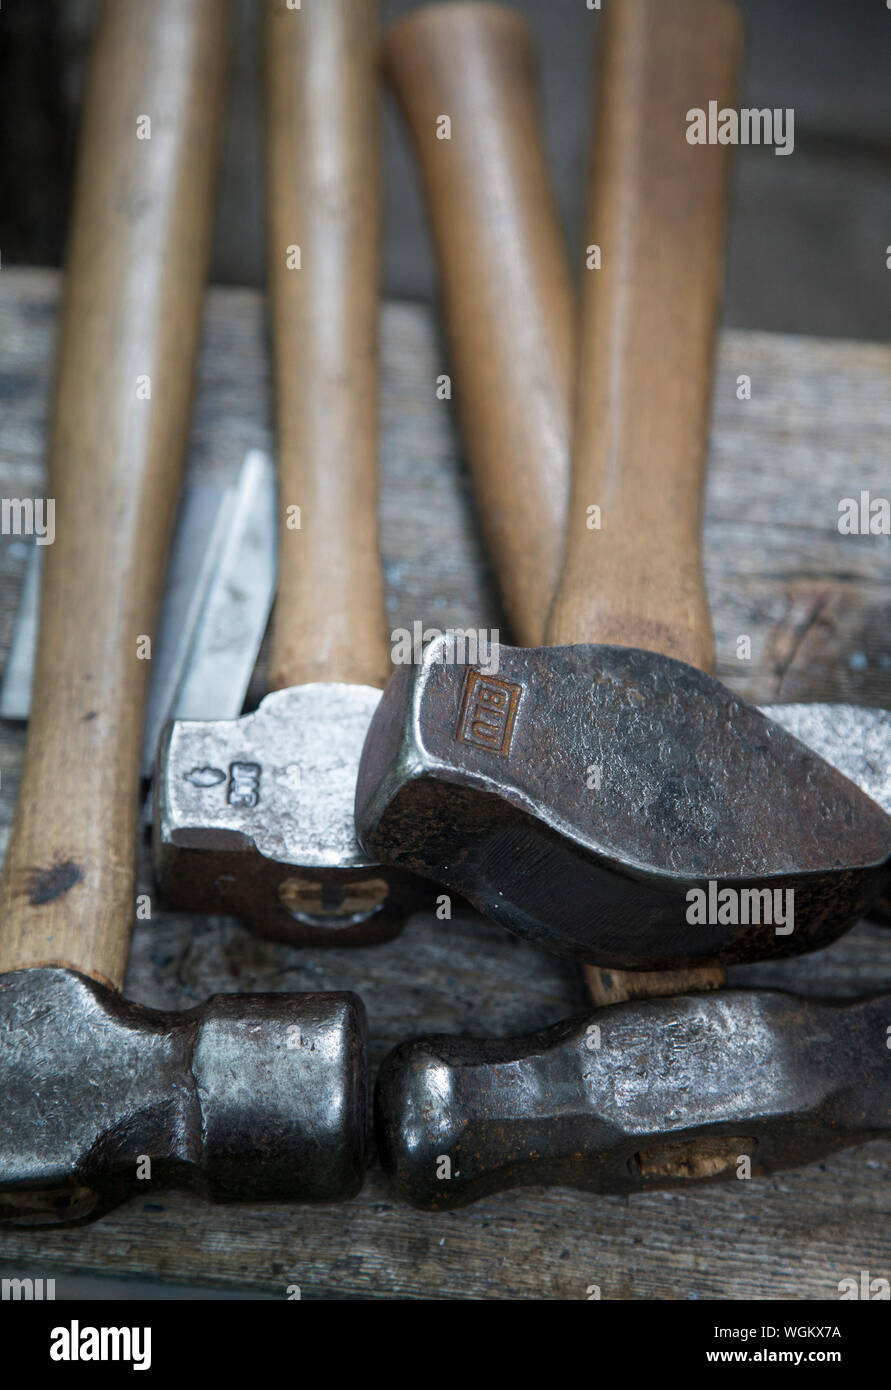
(585, 795)
(642, 1096)
(260, 1096)
(254, 816)
(508, 302)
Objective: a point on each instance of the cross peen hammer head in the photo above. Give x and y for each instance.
(585, 796)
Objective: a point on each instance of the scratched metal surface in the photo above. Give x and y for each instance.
(696, 784)
(815, 605)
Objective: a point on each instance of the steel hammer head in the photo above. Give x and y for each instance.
(651, 1094)
(618, 807)
(254, 817)
(246, 1097)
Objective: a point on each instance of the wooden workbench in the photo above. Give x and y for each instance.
(816, 606)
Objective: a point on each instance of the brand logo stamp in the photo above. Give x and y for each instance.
(244, 784)
(488, 712)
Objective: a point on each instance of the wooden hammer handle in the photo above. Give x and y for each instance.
(136, 265)
(466, 78)
(657, 211)
(323, 268)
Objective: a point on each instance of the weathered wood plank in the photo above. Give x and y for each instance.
(815, 604)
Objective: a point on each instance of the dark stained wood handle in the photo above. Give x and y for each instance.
(504, 275)
(136, 268)
(323, 166)
(657, 210)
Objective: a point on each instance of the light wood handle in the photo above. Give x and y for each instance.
(323, 168)
(657, 208)
(504, 275)
(136, 265)
(657, 211)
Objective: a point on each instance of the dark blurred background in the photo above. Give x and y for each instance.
(809, 231)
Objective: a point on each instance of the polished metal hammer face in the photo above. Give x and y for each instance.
(651, 1094)
(247, 1097)
(254, 816)
(585, 797)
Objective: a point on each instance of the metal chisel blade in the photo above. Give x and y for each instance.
(18, 675)
(230, 620)
(201, 528)
(218, 593)
(239, 598)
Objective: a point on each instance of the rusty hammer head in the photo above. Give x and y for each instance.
(245, 1097)
(619, 807)
(254, 817)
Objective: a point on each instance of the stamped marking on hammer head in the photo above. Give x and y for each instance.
(488, 711)
(270, 837)
(697, 786)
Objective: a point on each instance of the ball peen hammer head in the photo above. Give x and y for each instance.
(652, 1094)
(247, 1097)
(580, 794)
(254, 817)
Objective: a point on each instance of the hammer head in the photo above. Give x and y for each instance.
(651, 1094)
(254, 817)
(856, 740)
(617, 807)
(247, 1097)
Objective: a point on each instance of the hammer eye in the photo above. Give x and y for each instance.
(326, 902)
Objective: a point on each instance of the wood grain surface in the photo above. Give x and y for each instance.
(657, 212)
(504, 272)
(323, 169)
(814, 604)
(137, 265)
